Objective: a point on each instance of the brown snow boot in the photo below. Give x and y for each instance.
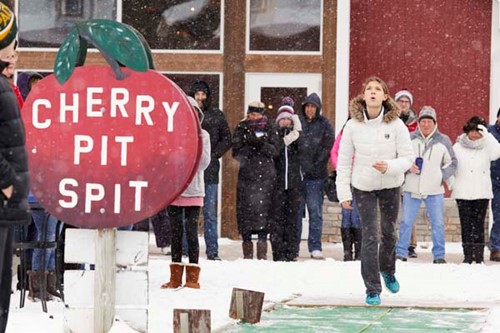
(176, 271)
(262, 250)
(247, 249)
(192, 276)
(35, 286)
(52, 285)
(495, 255)
(347, 240)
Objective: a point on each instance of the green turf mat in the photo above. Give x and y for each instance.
(366, 320)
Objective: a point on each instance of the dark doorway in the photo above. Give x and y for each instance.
(272, 97)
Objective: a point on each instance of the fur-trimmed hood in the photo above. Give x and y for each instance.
(357, 107)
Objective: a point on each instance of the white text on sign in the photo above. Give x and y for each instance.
(95, 192)
(119, 101)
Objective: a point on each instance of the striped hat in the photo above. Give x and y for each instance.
(8, 26)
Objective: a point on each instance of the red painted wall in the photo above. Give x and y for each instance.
(439, 50)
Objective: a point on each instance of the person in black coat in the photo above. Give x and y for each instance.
(215, 124)
(14, 177)
(288, 192)
(255, 145)
(314, 149)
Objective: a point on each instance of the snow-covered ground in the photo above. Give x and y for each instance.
(308, 282)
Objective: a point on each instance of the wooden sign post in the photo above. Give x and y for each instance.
(108, 145)
(104, 279)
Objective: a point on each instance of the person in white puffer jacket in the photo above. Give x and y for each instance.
(381, 143)
(472, 188)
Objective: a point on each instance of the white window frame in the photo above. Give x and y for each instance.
(119, 17)
(56, 49)
(247, 37)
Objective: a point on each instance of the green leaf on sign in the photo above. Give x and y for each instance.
(118, 41)
(71, 54)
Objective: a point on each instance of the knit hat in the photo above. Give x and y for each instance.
(404, 93)
(8, 26)
(256, 106)
(286, 109)
(427, 112)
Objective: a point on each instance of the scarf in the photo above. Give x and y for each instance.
(256, 125)
(464, 140)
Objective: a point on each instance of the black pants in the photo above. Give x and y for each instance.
(6, 239)
(375, 258)
(161, 228)
(472, 214)
(187, 217)
(284, 228)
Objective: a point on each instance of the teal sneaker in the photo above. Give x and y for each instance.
(373, 299)
(390, 282)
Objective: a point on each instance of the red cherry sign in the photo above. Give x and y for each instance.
(106, 152)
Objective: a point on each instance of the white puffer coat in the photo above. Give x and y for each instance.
(472, 180)
(370, 140)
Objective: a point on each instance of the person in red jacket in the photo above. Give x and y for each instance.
(405, 101)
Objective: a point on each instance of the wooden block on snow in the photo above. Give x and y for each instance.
(192, 321)
(246, 305)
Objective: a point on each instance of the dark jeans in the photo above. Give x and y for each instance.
(39, 217)
(184, 218)
(6, 239)
(210, 220)
(313, 199)
(377, 256)
(472, 214)
(495, 229)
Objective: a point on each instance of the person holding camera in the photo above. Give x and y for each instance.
(255, 144)
(472, 189)
(288, 192)
(435, 164)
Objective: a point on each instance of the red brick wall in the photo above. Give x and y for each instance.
(440, 50)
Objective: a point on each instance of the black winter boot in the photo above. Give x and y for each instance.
(468, 257)
(356, 237)
(347, 242)
(35, 286)
(52, 285)
(479, 253)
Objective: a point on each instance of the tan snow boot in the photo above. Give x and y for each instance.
(176, 272)
(192, 276)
